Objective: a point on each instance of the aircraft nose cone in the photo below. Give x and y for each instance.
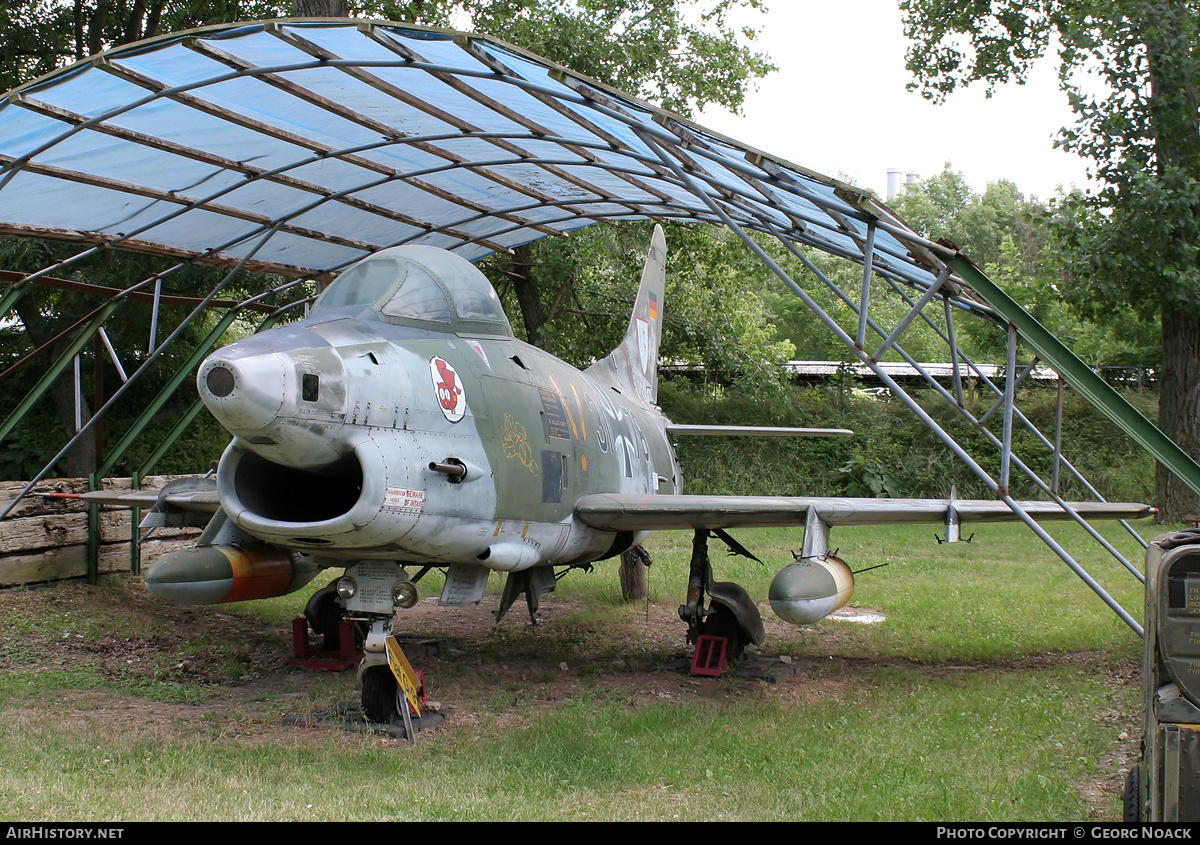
(243, 386)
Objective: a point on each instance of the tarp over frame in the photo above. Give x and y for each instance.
(308, 144)
(301, 146)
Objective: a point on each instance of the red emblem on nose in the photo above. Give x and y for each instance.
(446, 387)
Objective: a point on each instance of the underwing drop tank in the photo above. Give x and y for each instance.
(810, 589)
(219, 574)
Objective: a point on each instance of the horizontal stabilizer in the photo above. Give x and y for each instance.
(756, 431)
(636, 512)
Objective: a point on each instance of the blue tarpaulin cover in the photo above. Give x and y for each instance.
(307, 145)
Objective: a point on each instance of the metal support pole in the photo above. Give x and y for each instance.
(98, 390)
(55, 370)
(1010, 388)
(154, 313)
(958, 391)
(77, 383)
(1020, 380)
(911, 315)
(864, 298)
(112, 355)
(1058, 419)
(10, 298)
(135, 521)
(93, 536)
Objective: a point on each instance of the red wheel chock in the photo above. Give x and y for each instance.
(318, 658)
(711, 657)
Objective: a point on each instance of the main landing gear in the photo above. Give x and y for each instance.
(731, 614)
(325, 613)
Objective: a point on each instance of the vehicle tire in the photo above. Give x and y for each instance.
(379, 695)
(1133, 795)
(330, 621)
(721, 622)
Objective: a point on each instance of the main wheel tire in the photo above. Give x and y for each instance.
(379, 695)
(330, 616)
(721, 622)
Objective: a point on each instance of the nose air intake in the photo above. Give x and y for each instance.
(311, 495)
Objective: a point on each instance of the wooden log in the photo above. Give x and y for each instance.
(34, 505)
(116, 527)
(71, 561)
(45, 539)
(48, 531)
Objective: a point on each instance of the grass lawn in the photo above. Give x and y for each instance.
(998, 687)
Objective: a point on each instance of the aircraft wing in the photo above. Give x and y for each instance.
(185, 494)
(637, 512)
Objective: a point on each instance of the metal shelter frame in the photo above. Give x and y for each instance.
(298, 147)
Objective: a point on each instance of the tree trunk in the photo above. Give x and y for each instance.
(1179, 409)
(533, 315)
(321, 8)
(1175, 86)
(633, 576)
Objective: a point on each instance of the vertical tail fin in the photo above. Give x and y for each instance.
(633, 366)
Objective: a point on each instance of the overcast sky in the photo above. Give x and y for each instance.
(837, 105)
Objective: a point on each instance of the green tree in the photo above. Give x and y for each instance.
(1019, 243)
(681, 54)
(1132, 71)
(714, 313)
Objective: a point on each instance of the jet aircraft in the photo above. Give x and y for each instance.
(400, 425)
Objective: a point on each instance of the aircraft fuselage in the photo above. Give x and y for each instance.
(360, 439)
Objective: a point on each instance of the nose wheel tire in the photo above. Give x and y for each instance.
(379, 694)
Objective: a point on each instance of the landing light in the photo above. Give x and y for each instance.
(347, 587)
(404, 594)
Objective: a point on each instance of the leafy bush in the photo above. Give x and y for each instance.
(892, 452)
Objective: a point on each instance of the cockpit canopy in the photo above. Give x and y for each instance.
(421, 286)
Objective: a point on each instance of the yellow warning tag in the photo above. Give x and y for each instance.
(403, 671)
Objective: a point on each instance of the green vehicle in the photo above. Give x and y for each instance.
(1165, 786)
